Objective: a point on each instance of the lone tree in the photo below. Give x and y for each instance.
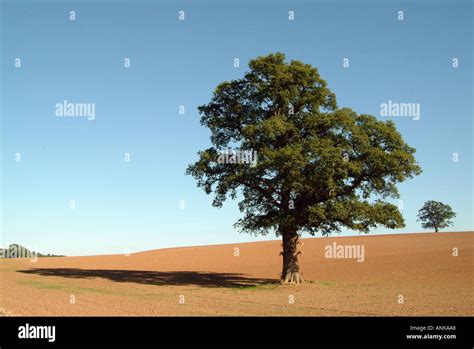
(319, 168)
(435, 215)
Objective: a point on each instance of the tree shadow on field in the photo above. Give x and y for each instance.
(158, 278)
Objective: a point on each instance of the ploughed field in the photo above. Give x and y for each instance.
(405, 275)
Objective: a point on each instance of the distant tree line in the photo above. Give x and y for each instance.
(18, 251)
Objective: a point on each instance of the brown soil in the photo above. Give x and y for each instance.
(210, 280)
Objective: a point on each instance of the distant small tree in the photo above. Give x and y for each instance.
(435, 215)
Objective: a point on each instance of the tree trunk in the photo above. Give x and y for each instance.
(291, 267)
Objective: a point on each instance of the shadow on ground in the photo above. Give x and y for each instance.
(158, 278)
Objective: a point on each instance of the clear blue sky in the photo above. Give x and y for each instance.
(135, 205)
